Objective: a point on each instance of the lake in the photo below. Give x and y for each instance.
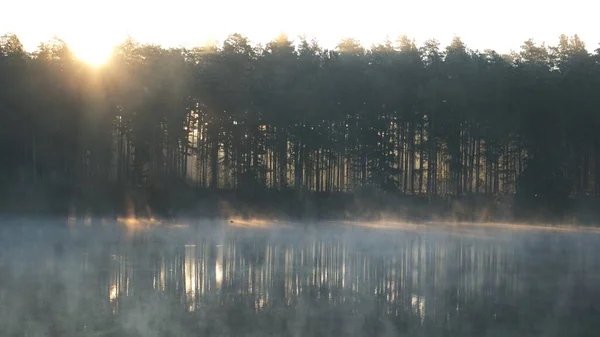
(222, 279)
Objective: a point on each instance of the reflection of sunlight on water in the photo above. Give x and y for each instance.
(260, 304)
(190, 276)
(119, 281)
(250, 279)
(219, 274)
(219, 267)
(113, 293)
(417, 304)
(158, 283)
(262, 283)
(391, 294)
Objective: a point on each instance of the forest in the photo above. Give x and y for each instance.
(293, 118)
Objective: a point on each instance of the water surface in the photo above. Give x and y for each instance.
(216, 280)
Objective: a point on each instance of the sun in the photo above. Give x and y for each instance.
(95, 54)
(93, 48)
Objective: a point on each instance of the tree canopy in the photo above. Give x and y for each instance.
(293, 115)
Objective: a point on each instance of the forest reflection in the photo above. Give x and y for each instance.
(356, 282)
(414, 274)
(414, 281)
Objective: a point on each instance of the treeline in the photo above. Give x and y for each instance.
(396, 117)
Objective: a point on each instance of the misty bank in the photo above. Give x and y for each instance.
(364, 204)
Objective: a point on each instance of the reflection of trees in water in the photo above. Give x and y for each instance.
(120, 274)
(405, 284)
(417, 283)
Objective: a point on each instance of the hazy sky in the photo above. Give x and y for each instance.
(92, 26)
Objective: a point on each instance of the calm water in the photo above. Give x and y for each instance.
(57, 280)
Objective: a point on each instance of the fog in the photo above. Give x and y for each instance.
(256, 278)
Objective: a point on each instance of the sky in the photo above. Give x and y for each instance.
(92, 27)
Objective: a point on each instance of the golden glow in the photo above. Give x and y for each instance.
(219, 267)
(88, 29)
(113, 293)
(254, 223)
(93, 55)
(384, 224)
(400, 225)
(92, 47)
(134, 224)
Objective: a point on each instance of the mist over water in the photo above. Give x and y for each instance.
(212, 279)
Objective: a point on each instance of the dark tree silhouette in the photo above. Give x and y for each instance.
(294, 116)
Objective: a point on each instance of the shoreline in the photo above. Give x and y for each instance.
(112, 202)
(142, 223)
